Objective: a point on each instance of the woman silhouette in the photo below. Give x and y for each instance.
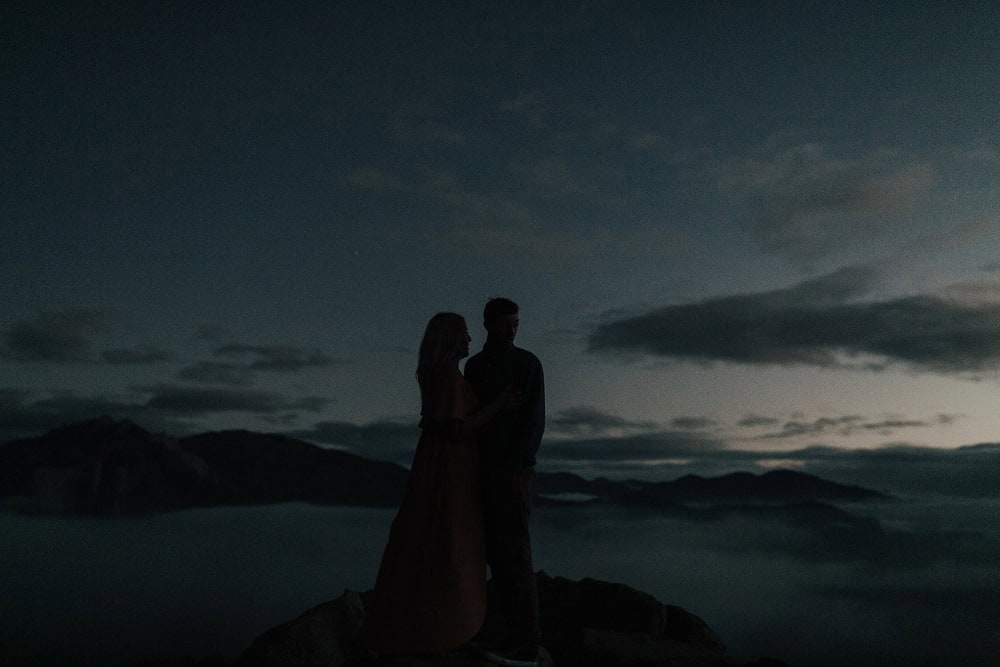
(430, 593)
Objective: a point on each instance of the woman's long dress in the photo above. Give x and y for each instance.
(430, 593)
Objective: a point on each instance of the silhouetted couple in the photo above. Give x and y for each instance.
(467, 500)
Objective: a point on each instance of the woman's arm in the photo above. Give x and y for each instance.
(472, 423)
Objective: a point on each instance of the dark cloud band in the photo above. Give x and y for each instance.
(194, 401)
(812, 324)
(276, 357)
(60, 336)
(582, 419)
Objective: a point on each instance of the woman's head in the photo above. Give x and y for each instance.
(446, 340)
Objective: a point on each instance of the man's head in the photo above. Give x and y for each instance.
(500, 317)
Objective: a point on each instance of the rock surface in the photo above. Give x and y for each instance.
(321, 636)
(586, 623)
(593, 622)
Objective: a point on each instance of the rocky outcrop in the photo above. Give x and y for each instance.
(586, 623)
(596, 623)
(321, 636)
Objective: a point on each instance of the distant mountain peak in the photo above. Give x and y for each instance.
(775, 486)
(109, 466)
(112, 466)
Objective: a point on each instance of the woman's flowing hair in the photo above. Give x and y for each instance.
(443, 338)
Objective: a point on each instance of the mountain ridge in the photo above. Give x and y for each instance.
(114, 467)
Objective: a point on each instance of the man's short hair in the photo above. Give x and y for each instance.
(499, 307)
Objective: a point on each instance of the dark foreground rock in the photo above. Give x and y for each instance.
(592, 622)
(586, 623)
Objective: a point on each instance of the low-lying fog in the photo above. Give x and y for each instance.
(923, 589)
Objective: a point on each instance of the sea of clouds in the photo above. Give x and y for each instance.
(919, 586)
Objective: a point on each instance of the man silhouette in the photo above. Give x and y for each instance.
(507, 448)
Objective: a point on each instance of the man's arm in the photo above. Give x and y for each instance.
(533, 420)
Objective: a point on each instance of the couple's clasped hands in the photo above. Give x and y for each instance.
(510, 399)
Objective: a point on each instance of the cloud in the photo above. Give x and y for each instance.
(177, 399)
(579, 420)
(57, 335)
(751, 421)
(843, 425)
(593, 443)
(253, 358)
(969, 471)
(279, 358)
(21, 416)
(813, 324)
(135, 356)
(67, 336)
(849, 424)
(634, 449)
(172, 409)
(692, 423)
(974, 293)
(654, 453)
(792, 429)
(396, 441)
(579, 436)
(808, 204)
(16, 420)
(982, 153)
(891, 424)
(216, 372)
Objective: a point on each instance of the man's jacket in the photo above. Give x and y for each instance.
(514, 435)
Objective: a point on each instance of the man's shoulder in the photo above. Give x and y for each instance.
(527, 355)
(516, 354)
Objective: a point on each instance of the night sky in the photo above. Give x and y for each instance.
(742, 235)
